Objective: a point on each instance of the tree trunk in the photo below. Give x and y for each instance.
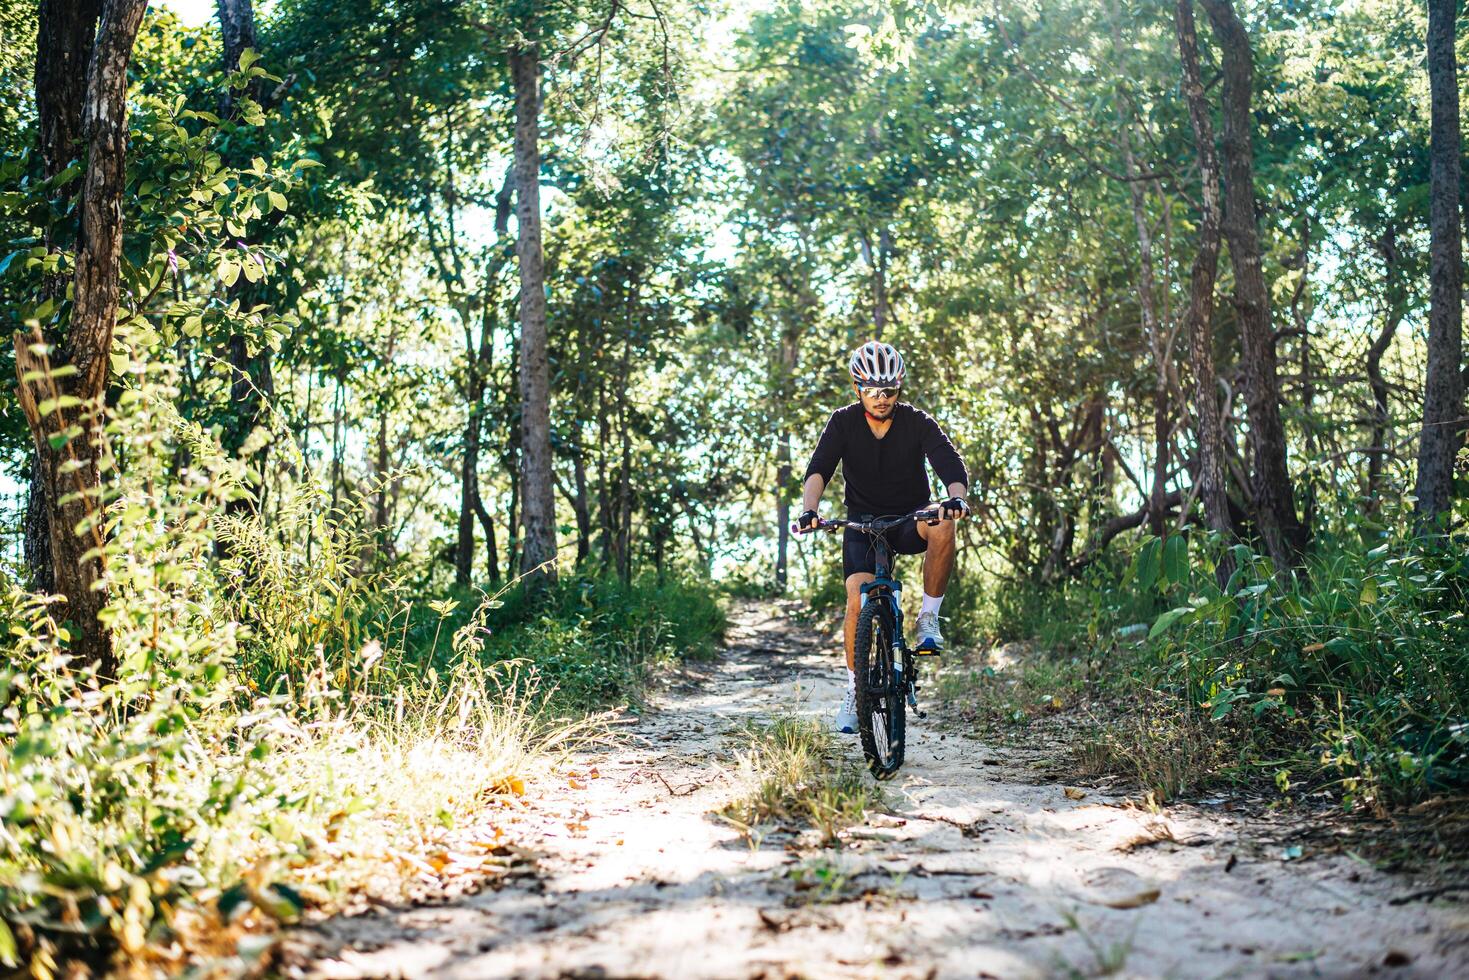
(877, 261)
(1209, 426)
(579, 504)
(538, 510)
(1274, 498)
(1443, 387)
(468, 490)
(605, 516)
(782, 510)
(69, 471)
(63, 49)
(237, 32)
(1147, 303)
(1381, 413)
(624, 474)
(251, 380)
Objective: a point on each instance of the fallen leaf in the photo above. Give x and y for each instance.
(1313, 648)
(1118, 888)
(575, 783)
(1074, 794)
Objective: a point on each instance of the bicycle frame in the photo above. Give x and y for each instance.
(885, 589)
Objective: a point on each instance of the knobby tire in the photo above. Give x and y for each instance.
(880, 703)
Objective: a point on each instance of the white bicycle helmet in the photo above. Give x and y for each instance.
(876, 363)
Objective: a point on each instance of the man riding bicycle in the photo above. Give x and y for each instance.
(881, 444)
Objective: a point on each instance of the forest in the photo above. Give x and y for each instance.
(404, 388)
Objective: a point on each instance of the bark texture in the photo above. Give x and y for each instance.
(1443, 388)
(66, 459)
(538, 503)
(64, 39)
(1270, 483)
(1210, 476)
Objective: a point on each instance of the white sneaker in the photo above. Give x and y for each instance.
(846, 722)
(929, 637)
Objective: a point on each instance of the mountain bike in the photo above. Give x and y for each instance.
(886, 668)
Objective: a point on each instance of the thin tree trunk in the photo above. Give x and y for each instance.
(251, 379)
(1147, 303)
(1208, 424)
(1272, 490)
(68, 464)
(605, 516)
(1443, 387)
(1381, 411)
(579, 503)
(782, 510)
(877, 261)
(789, 351)
(624, 475)
(338, 420)
(536, 462)
(468, 489)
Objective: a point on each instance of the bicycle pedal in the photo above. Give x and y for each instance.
(927, 652)
(921, 713)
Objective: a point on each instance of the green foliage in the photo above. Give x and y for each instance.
(110, 788)
(1361, 662)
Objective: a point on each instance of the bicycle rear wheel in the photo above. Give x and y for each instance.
(880, 704)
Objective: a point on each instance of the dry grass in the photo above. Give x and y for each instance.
(365, 806)
(796, 778)
(1166, 750)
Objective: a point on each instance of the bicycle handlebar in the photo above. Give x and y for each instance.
(875, 526)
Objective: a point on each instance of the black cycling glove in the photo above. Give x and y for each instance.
(954, 508)
(807, 521)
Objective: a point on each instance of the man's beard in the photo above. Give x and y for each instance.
(882, 413)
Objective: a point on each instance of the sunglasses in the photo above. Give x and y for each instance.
(879, 392)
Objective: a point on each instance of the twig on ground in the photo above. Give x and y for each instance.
(1427, 893)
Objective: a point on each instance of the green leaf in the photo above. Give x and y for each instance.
(228, 272)
(1175, 560)
(1221, 709)
(9, 954)
(277, 200)
(1168, 619)
(1369, 592)
(1148, 563)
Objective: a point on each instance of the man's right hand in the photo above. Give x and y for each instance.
(808, 520)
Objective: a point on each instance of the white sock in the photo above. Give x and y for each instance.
(851, 679)
(931, 604)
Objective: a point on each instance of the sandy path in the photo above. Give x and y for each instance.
(980, 870)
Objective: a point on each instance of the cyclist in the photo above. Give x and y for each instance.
(881, 444)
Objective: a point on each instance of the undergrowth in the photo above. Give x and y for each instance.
(287, 729)
(797, 778)
(1350, 674)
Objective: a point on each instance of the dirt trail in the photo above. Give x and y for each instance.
(981, 870)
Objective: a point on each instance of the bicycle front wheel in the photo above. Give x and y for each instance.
(880, 694)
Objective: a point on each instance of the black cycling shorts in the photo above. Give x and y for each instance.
(859, 551)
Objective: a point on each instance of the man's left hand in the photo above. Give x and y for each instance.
(953, 509)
